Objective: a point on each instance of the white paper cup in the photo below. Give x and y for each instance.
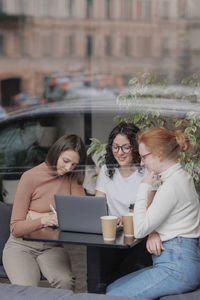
(109, 227)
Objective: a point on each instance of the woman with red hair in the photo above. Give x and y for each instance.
(174, 214)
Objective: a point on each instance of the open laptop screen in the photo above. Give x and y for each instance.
(80, 213)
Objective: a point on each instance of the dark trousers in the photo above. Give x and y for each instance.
(119, 262)
(105, 264)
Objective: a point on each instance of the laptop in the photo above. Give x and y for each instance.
(80, 213)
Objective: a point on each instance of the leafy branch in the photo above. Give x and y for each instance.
(189, 123)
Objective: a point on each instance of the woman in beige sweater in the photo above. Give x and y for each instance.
(23, 260)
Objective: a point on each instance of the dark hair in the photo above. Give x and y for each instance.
(68, 142)
(130, 131)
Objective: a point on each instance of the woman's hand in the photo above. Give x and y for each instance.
(154, 244)
(49, 220)
(119, 220)
(148, 178)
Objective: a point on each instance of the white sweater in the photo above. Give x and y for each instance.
(175, 210)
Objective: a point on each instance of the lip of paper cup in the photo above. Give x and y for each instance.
(108, 239)
(128, 235)
(109, 217)
(127, 215)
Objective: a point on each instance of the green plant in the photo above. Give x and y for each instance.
(98, 149)
(189, 124)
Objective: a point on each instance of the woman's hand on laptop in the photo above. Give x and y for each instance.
(50, 220)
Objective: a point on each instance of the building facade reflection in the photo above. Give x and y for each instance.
(117, 37)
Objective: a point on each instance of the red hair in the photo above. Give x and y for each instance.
(164, 143)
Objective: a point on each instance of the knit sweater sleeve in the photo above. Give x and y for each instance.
(149, 219)
(19, 226)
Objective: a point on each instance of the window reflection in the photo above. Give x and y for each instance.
(165, 9)
(2, 46)
(90, 9)
(69, 8)
(89, 48)
(108, 9)
(122, 38)
(165, 50)
(1, 5)
(108, 45)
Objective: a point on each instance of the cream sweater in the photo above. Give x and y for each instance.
(175, 210)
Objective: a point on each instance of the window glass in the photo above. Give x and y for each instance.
(108, 8)
(89, 9)
(108, 45)
(1, 5)
(47, 45)
(53, 52)
(19, 148)
(89, 46)
(71, 44)
(69, 8)
(2, 45)
(165, 47)
(146, 10)
(127, 9)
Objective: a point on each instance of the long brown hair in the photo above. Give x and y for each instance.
(164, 143)
(68, 142)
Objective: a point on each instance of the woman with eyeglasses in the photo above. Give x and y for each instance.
(120, 177)
(174, 214)
(118, 182)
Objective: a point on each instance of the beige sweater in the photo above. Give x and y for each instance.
(35, 191)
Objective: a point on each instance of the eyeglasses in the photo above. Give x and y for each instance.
(143, 157)
(125, 148)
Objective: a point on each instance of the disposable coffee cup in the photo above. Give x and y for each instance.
(109, 242)
(109, 226)
(128, 240)
(127, 221)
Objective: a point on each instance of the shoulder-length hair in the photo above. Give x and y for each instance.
(68, 142)
(130, 131)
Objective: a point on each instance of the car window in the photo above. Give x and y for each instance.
(19, 148)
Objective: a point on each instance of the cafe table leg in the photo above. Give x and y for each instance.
(100, 264)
